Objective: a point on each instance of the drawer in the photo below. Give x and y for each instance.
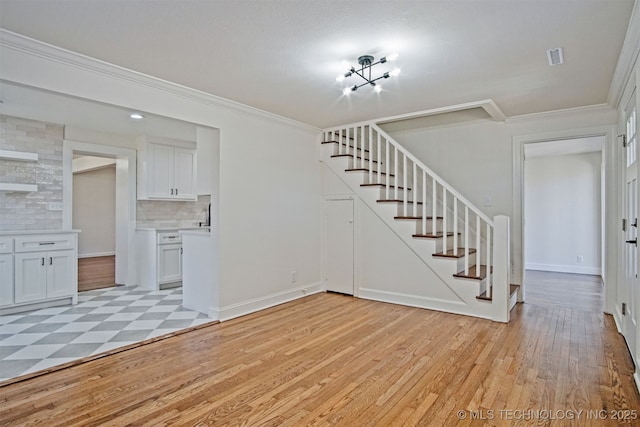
(45, 242)
(169, 237)
(6, 245)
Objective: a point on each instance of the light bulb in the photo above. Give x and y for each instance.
(136, 116)
(392, 57)
(394, 72)
(340, 78)
(346, 91)
(378, 88)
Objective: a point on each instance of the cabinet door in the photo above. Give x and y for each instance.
(169, 263)
(31, 277)
(160, 171)
(61, 273)
(6, 279)
(184, 173)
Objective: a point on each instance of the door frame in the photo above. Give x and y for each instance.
(356, 234)
(126, 272)
(611, 183)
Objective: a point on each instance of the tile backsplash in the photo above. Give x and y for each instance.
(152, 213)
(30, 211)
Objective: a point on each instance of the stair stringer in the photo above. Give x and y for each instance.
(464, 290)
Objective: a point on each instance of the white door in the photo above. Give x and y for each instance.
(160, 170)
(339, 246)
(6, 279)
(31, 277)
(631, 233)
(61, 267)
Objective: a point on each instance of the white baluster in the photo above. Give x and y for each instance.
(405, 192)
(434, 207)
(466, 240)
(424, 201)
(415, 189)
(444, 220)
(395, 161)
(455, 226)
(387, 168)
(478, 249)
(362, 156)
(379, 158)
(370, 155)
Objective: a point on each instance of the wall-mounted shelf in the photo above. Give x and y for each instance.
(20, 156)
(18, 188)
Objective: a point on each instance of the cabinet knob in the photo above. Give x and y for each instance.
(42, 261)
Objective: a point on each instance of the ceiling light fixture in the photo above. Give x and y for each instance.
(367, 62)
(136, 116)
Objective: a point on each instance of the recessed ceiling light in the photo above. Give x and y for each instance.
(555, 56)
(136, 116)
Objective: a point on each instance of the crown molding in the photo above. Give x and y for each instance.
(628, 58)
(37, 48)
(593, 109)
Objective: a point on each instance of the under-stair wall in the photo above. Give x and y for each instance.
(419, 241)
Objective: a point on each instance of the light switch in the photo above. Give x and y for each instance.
(488, 201)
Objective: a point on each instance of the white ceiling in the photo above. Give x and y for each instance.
(283, 55)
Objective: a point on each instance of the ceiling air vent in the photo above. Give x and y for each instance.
(555, 56)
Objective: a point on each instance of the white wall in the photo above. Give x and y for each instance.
(562, 213)
(94, 196)
(269, 201)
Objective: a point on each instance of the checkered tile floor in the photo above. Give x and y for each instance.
(102, 320)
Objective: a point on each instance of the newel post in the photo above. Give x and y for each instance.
(501, 268)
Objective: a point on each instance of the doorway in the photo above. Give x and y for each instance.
(94, 188)
(125, 201)
(339, 245)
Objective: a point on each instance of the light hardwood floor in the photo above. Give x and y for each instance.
(96, 273)
(330, 359)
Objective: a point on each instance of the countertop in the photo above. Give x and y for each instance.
(202, 231)
(32, 232)
(171, 228)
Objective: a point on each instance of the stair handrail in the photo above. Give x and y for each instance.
(433, 175)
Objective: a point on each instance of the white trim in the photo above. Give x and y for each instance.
(256, 304)
(96, 255)
(50, 52)
(10, 187)
(627, 59)
(126, 271)
(19, 156)
(487, 104)
(447, 306)
(593, 271)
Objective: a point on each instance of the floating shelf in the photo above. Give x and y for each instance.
(20, 156)
(18, 188)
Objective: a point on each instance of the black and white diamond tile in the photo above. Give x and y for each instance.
(102, 320)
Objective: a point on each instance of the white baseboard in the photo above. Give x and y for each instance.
(95, 255)
(448, 306)
(251, 306)
(594, 271)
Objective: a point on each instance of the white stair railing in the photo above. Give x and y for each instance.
(439, 207)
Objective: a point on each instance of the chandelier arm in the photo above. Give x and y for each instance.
(363, 76)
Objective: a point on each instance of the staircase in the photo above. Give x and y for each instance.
(467, 251)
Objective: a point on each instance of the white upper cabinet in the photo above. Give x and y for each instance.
(166, 169)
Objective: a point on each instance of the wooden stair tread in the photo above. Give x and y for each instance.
(357, 158)
(367, 170)
(438, 235)
(473, 273)
(344, 145)
(450, 254)
(394, 201)
(383, 186)
(512, 290)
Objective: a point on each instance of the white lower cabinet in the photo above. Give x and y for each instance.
(159, 258)
(6, 279)
(31, 277)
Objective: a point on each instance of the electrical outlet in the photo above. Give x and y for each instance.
(580, 258)
(488, 201)
(55, 206)
(293, 276)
